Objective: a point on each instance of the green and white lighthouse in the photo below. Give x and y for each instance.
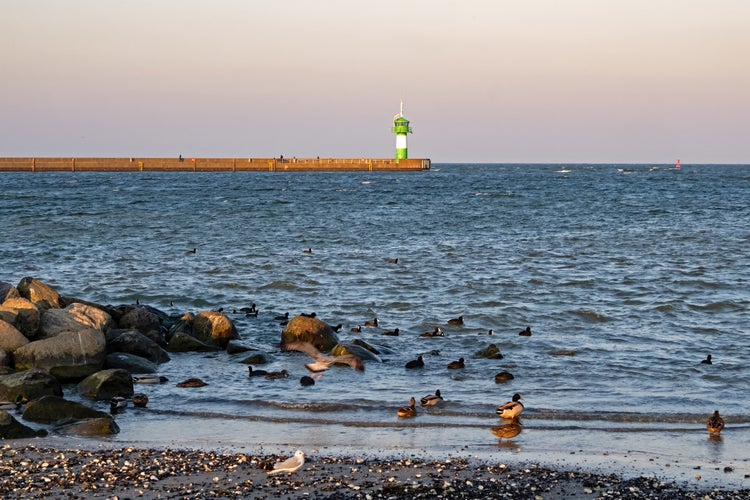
(401, 128)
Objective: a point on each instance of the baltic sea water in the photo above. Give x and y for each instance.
(628, 275)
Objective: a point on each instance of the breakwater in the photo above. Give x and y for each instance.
(61, 164)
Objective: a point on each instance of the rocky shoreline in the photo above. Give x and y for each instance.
(37, 472)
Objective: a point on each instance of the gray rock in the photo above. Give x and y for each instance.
(130, 362)
(10, 428)
(8, 291)
(103, 426)
(22, 314)
(40, 294)
(32, 383)
(56, 410)
(10, 338)
(134, 342)
(183, 342)
(312, 330)
(73, 317)
(107, 384)
(67, 356)
(140, 318)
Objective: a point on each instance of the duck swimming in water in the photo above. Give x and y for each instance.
(416, 363)
(408, 411)
(140, 400)
(707, 361)
(456, 365)
(456, 321)
(432, 399)
(374, 322)
(715, 424)
(252, 372)
(511, 408)
(437, 332)
(525, 332)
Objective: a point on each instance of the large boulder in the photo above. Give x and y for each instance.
(107, 384)
(102, 426)
(130, 362)
(214, 328)
(41, 294)
(32, 384)
(10, 428)
(56, 410)
(184, 342)
(7, 291)
(22, 314)
(141, 318)
(312, 330)
(73, 317)
(68, 356)
(6, 363)
(134, 342)
(10, 338)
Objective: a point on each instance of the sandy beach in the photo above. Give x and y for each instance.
(35, 471)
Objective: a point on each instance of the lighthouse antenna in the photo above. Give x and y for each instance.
(401, 113)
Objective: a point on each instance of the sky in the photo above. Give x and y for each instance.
(482, 81)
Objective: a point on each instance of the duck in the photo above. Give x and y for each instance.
(337, 328)
(252, 372)
(393, 261)
(715, 424)
(140, 400)
(283, 317)
(456, 321)
(117, 404)
(276, 375)
(373, 323)
(194, 250)
(249, 310)
(309, 315)
(437, 332)
(416, 363)
(356, 329)
(15, 404)
(707, 361)
(508, 431)
(512, 408)
(456, 365)
(391, 333)
(306, 381)
(431, 399)
(525, 332)
(150, 379)
(308, 250)
(408, 411)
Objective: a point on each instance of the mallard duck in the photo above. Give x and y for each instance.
(525, 332)
(432, 399)
(149, 379)
(140, 400)
(715, 424)
(456, 321)
(276, 375)
(15, 404)
(511, 408)
(372, 323)
(408, 411)
(707, 361)
(252, 372)
(508, 431)
(289, 465)
(416, 363)
(456, 365)
(437, 332)
(117, 404)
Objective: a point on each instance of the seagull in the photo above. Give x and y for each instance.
(511, 409)
(291, 464)
(323, 362)
(715, 424)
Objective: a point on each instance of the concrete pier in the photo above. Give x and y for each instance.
(49, 164)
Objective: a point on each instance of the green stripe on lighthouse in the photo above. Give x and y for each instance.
(401, 128)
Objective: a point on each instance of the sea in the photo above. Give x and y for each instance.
(628, 276)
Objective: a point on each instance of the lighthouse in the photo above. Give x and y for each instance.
(401, 128)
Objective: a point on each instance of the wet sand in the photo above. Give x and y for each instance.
(34, 471)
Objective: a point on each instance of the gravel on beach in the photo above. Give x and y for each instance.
(36, 472)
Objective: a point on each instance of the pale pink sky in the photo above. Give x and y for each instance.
(482, 81)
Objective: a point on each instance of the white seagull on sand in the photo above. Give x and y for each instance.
(289, 465)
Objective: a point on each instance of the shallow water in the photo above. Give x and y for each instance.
(628, 277)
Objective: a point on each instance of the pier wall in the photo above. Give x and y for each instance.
(48, 164)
